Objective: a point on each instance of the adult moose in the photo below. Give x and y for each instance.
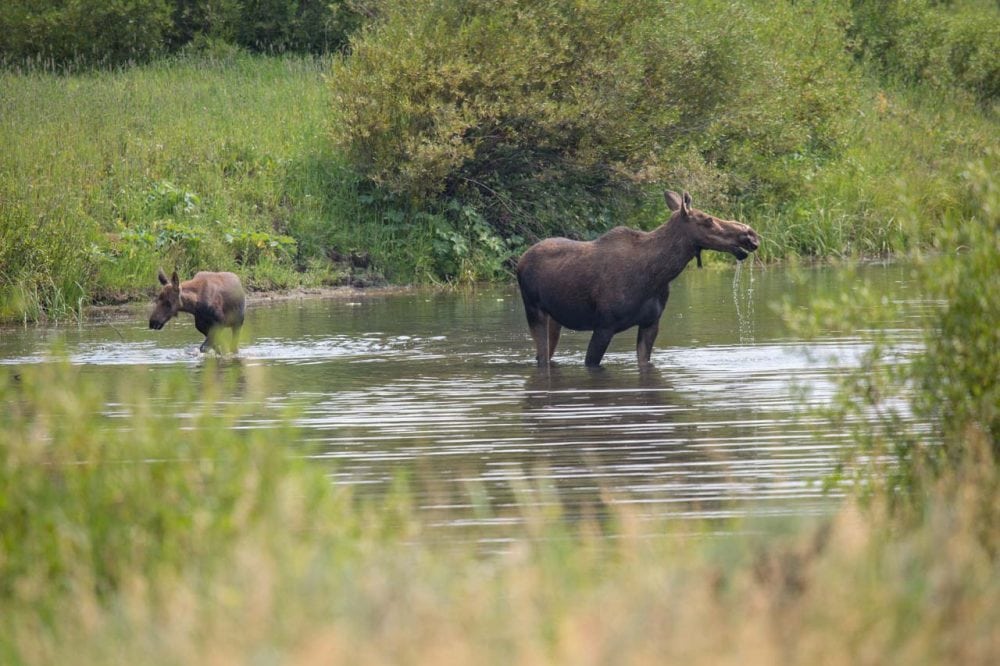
(619, 280)
(215, 299)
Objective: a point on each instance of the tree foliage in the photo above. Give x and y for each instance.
(63, 33)
(950, 45)
(555, 114)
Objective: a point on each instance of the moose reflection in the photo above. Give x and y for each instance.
(619, 280)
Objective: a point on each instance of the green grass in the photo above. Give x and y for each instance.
(106, 176)
(898, 176)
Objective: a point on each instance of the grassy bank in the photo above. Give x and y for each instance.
(191, 163)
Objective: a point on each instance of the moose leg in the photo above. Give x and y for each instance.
(599, 342)
(236, 338)
(553, 329)
(205, 329)
(538, 324)
(644, 342)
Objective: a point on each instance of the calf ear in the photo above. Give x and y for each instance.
(176, 281)
(162, 277)
(687, 203)
(673, 200)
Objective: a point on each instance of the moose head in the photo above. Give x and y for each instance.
(708, 232)
(168, 302)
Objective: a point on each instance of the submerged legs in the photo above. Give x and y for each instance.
(599, 342)
(644, 342)
(545, 332)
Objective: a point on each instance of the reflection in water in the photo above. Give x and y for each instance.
(441, 388)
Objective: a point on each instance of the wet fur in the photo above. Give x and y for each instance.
(619, 280)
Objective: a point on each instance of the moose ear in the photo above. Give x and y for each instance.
(176, 281)
(673, 200)
(687, 203)
(162, 277)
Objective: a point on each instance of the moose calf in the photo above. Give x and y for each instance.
(215, 299)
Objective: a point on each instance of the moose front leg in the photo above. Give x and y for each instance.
(599, 342)
(206, 328)
(644, 342)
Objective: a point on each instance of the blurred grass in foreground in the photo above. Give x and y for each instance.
(136, 536)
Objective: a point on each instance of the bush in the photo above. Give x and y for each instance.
(952, 385)
(554, 116)
(61, 32)
(71, 33)
(946, 45)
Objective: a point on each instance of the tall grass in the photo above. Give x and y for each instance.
(135, 534)
(898, 175)
(104, 176)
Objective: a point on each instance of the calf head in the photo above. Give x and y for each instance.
(709, 232)
(168, 302)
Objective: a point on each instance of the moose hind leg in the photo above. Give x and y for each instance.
(553, 329)
(236, 338)
(644, 342)
(599, 342)
(538, 323)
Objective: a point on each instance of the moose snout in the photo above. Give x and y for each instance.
(155, 325)
(750, 240)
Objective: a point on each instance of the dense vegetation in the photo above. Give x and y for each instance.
(449, 135)
(70, 35)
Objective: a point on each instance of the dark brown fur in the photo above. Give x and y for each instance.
(619, 280)
(215, 299)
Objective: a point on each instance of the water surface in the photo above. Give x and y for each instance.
(440, 388)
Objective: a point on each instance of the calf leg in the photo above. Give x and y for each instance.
(236, 338)
(205, 329)
(644, 342)
(599, 342)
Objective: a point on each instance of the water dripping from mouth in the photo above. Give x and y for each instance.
(744, 302)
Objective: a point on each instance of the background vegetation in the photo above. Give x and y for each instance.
(70, 35)
(443, 137)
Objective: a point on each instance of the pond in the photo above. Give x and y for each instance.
(439, 387)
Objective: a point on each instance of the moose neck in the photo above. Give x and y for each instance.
(189, 300)
(671, 248)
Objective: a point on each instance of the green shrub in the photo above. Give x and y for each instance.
(948, 46)
(959, 374)
(82, 33)
(952, 385)
(61, 32)
(552, 116)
